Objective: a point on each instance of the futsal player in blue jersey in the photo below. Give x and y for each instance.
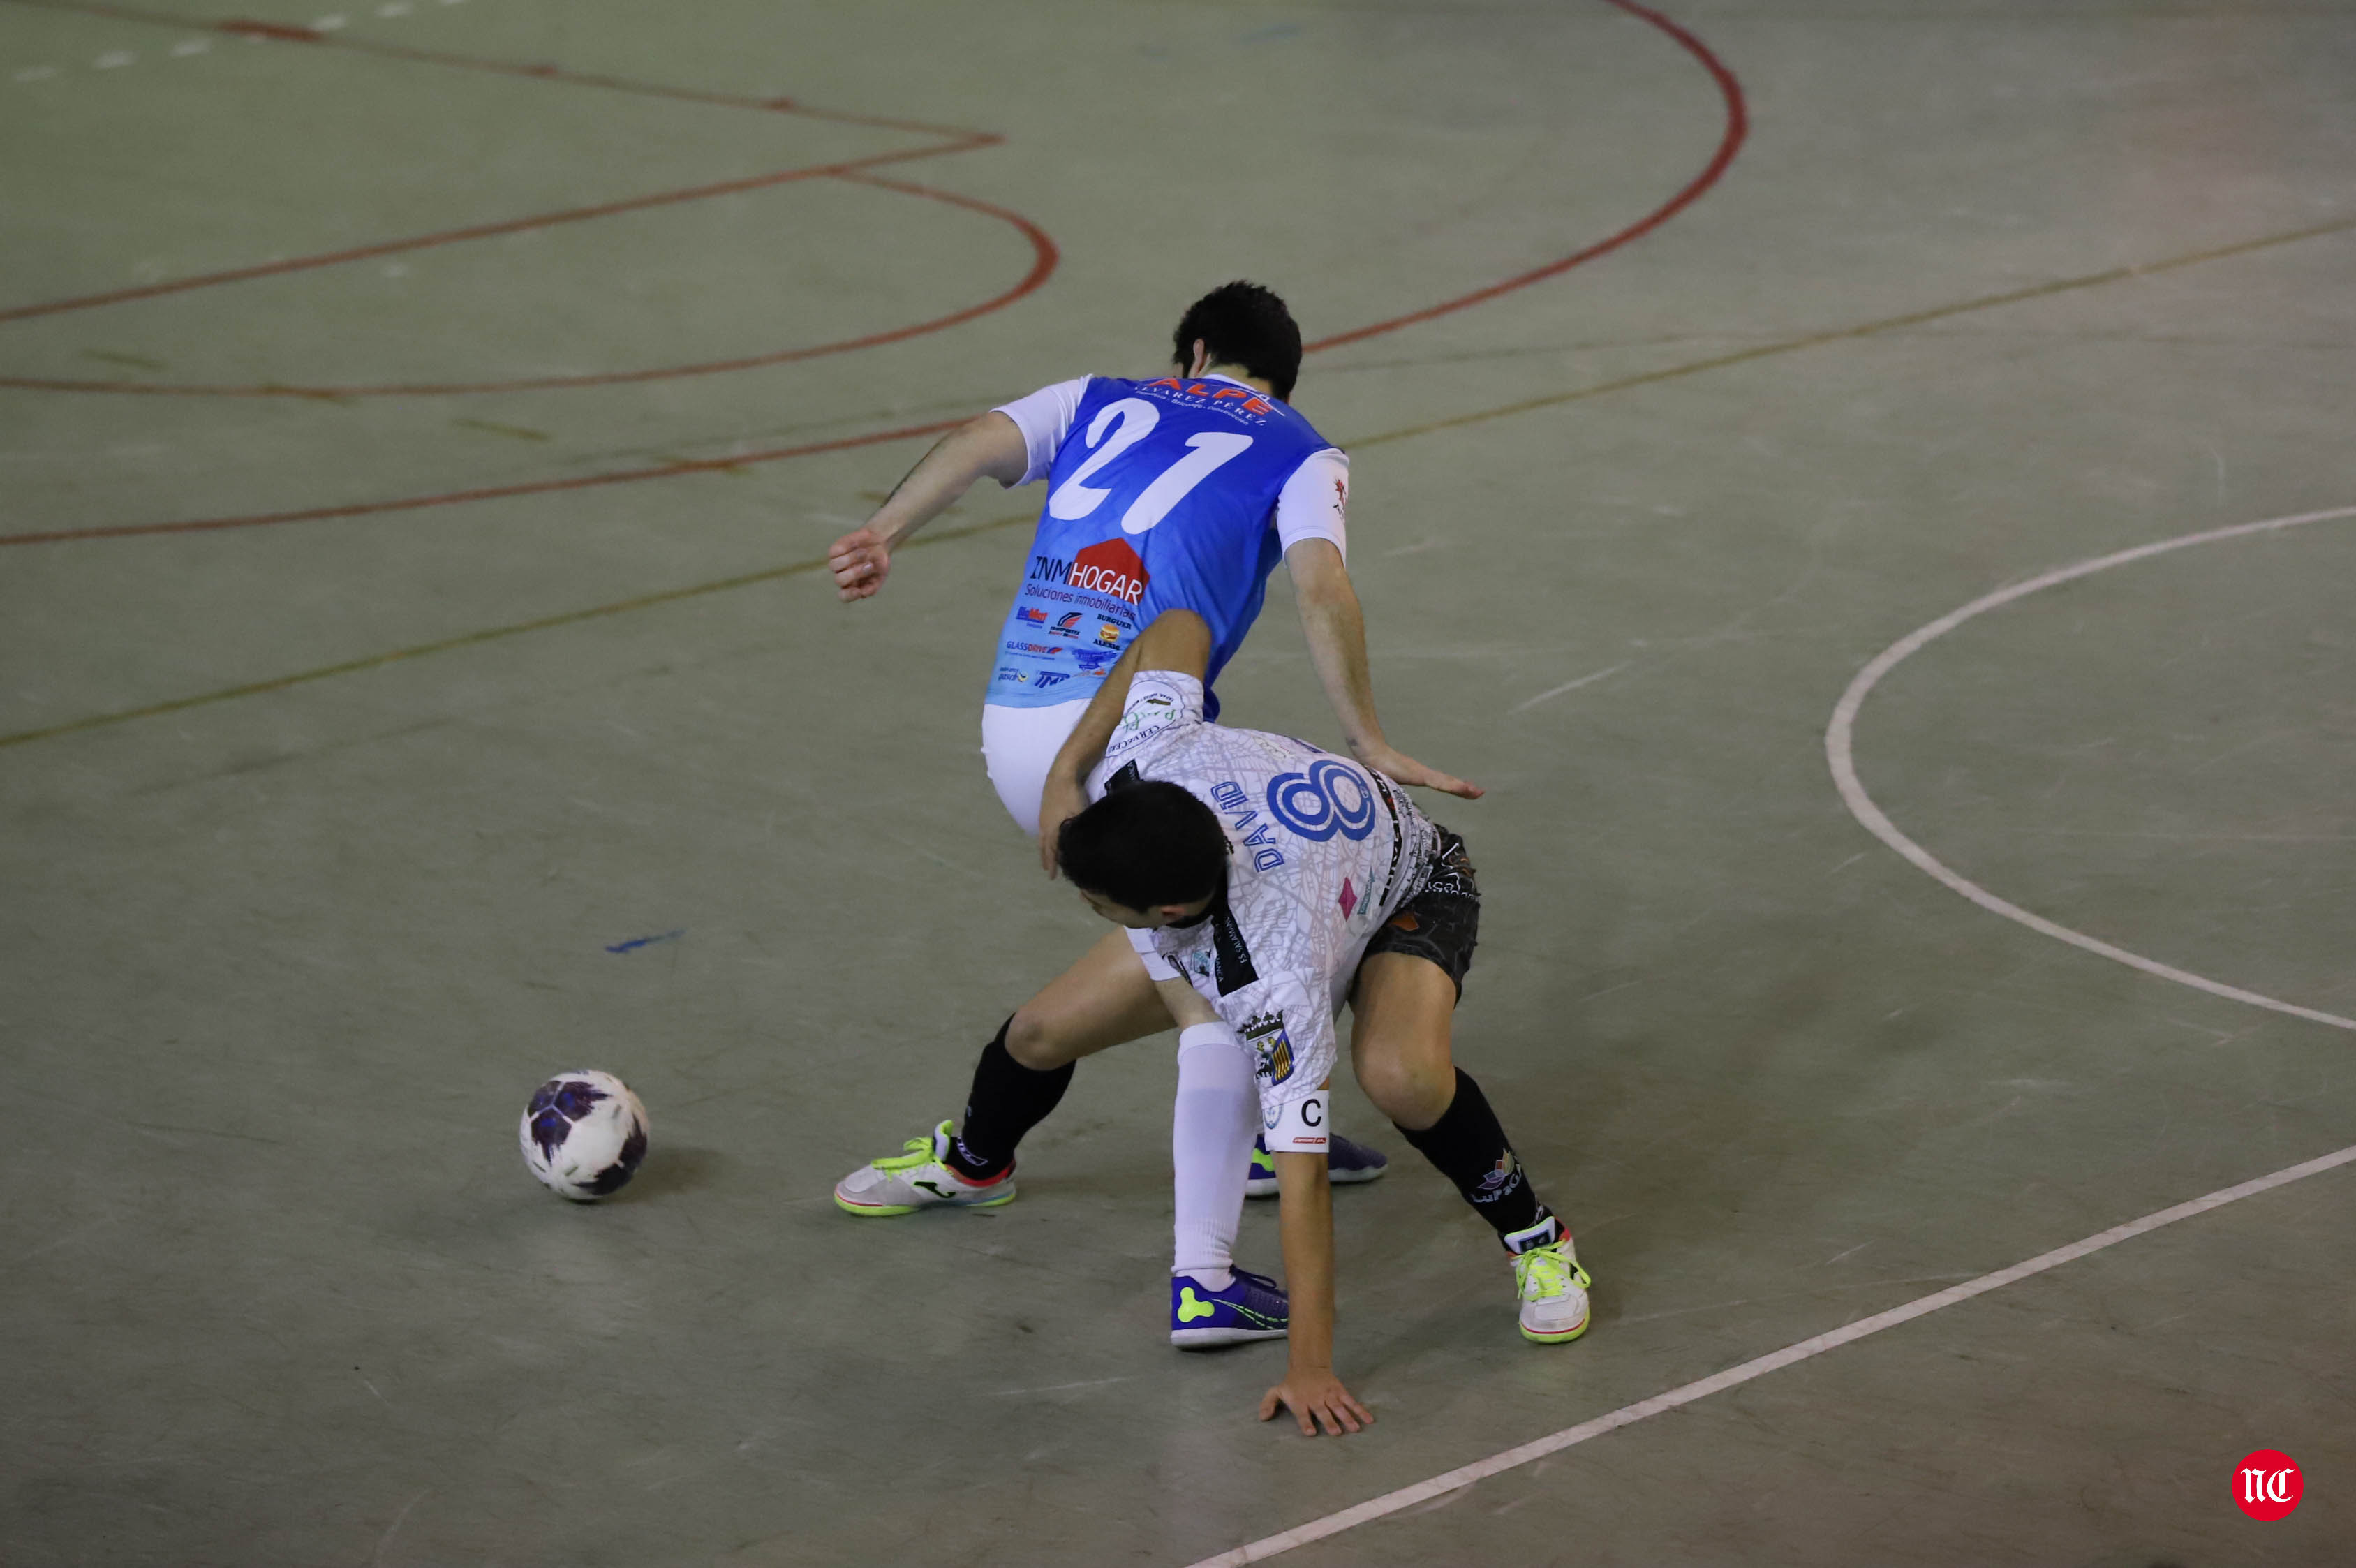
(1181, 491)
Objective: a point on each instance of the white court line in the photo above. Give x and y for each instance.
(1718, 1382)
(1838, 744)
(1571, 686)
(1838, 752)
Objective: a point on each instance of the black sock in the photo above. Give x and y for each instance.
(1008, 1099)
(1470, 1149)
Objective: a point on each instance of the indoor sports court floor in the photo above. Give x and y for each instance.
(420, 429)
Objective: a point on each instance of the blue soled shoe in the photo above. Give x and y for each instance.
(1346, 1161)
(1252, 1307)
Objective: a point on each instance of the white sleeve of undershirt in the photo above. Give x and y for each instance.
(1157, 968)
(1315, 502)
(1045, 418)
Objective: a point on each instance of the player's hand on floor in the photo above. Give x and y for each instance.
(860, 560)
(1405, 770)
(1059, 802)
(1314, 1397)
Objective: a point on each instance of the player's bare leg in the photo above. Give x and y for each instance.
(1104, 1000)
(1404, 1008)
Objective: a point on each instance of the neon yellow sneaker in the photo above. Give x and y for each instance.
(1553, 1289)
(904, 1183)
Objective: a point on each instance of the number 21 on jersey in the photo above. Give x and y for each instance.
(1128, 421)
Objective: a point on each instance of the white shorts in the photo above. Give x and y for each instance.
(1019, 746)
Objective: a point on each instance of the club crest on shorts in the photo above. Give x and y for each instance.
(1270, 1046)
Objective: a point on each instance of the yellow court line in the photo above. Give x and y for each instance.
(1527, 405)
(472, 639)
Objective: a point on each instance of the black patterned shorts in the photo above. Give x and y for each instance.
(1443, 921)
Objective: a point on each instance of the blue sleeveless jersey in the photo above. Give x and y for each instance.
(1162, 496)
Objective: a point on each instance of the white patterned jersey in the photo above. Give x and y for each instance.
(1320, 852)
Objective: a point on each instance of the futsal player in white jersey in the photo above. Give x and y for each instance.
(1263, 882)
(1178, 492)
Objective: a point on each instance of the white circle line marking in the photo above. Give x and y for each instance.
(1839, 740)
(1718, 1383)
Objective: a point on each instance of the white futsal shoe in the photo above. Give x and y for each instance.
(1553, 1289)
(919, 1178)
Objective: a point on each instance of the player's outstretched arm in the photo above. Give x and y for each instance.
(988, 447)
(1310, 1390)
(1336, 631)
(1177, 640)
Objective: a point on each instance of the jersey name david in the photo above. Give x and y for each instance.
(1323, 851)
(1160, 497)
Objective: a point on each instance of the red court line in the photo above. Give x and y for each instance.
(492, 492)
(295, 33)
(283, 32)
(540, 72)
(956, 140)
(1729, 143)
(1738, 127)
(1043, 258)
(423, 242)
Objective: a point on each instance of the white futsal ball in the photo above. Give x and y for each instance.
(584, 1134)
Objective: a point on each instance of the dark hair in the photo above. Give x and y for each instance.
(1243, 324)
(1145, 846)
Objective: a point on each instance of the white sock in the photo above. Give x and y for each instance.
(1211, 1132)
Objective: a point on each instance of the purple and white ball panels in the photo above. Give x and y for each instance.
(584, 1134)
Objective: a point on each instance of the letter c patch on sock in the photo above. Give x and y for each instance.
(1298, 1125)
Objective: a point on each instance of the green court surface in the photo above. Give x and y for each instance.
(421, 430)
